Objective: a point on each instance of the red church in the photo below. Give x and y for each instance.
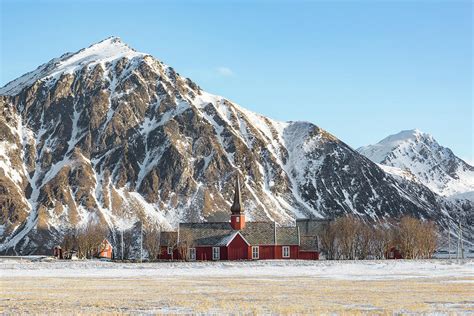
(241, 240)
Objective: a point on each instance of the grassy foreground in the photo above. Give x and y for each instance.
(256, 295)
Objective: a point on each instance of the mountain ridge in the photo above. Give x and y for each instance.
(129, 140)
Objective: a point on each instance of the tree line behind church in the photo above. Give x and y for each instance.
(350, 237)
(346, 237)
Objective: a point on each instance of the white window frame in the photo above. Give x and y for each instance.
(285, 254)
(192, 253)
(216, 253)
(169, 250)
(255, 252)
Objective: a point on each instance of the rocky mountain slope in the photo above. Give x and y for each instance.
(426, 161)
(112, 135)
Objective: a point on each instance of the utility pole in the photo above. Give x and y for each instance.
(122, 243)
(449, 241)
(141, 242)
(459, 240)
(462, 242)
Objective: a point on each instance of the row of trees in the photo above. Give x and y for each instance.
(85, 241)
(352, 238)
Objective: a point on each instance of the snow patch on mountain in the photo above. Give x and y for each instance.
(398, 172)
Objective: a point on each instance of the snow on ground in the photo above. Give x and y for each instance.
(337, 270)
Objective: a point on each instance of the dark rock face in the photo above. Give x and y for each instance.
(125, 138)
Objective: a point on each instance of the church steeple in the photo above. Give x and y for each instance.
(236, 208)
(237, 219)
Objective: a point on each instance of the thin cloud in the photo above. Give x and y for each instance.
(225, 71)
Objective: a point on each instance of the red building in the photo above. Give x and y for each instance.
(105, 250)
(58, 252)
(238, 239)
(393, 253)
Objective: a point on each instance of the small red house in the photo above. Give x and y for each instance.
(237, 239)
(105, 250)
(58, 252)
(393, 253)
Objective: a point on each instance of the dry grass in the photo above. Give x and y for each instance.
(27, 295)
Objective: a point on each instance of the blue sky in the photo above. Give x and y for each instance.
(360, 69)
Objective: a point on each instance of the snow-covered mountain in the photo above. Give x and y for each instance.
(421, 157)
(114, 135)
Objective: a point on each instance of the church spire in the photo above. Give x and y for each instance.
(237, 218)
(237, 206)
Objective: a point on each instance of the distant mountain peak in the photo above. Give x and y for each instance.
(111, 44)
(112, 39)
(434, 165)
(406, 135)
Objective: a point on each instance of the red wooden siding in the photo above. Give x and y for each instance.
(237, 249)
(105, 250)
(165, 256)
(203, 253)
(294, 252)
(223, 253)
(266, 252)
(237, 222)
(308, 255)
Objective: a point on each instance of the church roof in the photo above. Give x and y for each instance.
(259, 233)
(220, 233)
(204, 234)
(309, 243)
(311, 227)
(287, 235)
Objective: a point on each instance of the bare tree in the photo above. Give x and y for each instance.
(348, 228)
(151, 241)
(182, 248)
(128, 241)
(89, 239)
(428, 239)
(416, 238)
(69, 242)
(365, 240)
(328, 240)
(383, 240)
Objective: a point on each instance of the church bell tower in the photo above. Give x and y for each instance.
(237, 218)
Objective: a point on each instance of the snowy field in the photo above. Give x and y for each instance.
(339, 270)
(35, 285)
